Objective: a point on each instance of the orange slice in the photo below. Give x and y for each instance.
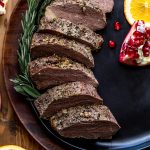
(11, 147)
(137, 10)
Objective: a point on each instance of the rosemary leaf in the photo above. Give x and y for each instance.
(20, 90)
(30, 91)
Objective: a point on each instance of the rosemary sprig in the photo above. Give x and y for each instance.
(22, 83)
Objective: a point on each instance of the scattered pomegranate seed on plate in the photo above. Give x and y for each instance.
(111, 44)
(117, 26)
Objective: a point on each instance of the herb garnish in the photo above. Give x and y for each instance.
(23, 83)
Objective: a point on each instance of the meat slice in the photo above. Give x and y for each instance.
(65, 96)
(70, 30)
(51, 71)
(81, 12)
(90, 122)
(44, 45)
(105, 5)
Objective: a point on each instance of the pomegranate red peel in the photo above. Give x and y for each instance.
(136, 46)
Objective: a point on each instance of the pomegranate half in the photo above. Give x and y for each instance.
(135, 49)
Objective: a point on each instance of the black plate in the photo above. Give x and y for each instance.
(126, 91)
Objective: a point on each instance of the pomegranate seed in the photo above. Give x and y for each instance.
(147, 43)
(117, 25)
(2, 4)
(138, 42)
(148, 33)
(131, 42)
(132, 54)
(112, 44)
(135, 42)
(146, 53)
(139, 35)
(146, 48)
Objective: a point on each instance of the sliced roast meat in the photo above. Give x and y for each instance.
(65, 96)
(44, 45)
(90, 122)
(81, 12)
(51, 71)
(105, 5)
(70, 30)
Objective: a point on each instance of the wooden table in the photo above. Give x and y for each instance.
(11, 130)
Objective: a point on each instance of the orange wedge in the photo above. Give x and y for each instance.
(137, 10)
(11, 147)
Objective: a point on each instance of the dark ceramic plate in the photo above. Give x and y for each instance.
(125, 90)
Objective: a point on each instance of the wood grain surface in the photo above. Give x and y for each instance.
(11, 130)
(127, 106)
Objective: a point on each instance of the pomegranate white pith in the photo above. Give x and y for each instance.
(135, 49)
